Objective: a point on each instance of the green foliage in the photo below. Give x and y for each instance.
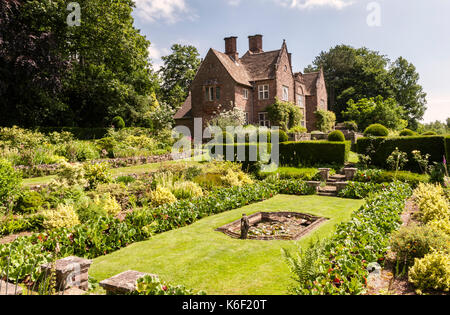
(10, 183)
(63, 216)
(284, 115)
(11, 225)
(407, 133)
(416, 241)
(351, 125)
(325, 120)
(358, 190)
(313, 153)
(379, 149)
(282, 136)
(431, 272)
(177, 73)
(96, 174)
(357, 73)
(118, 123)
(382, 176)
(429, 133)
(376, 130)
(340, 266)
(336, 136)
(149, 285)
(29, 202)
(375, 110)
(297, 129)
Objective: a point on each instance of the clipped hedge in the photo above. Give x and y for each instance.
(447, 148)
(383, 147)
(238, 147)
(314, 152)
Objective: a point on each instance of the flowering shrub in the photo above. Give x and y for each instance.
(431, 272)
(149, 285)
(63, 216)
(368, 175)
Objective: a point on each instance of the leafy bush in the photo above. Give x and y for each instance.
(432, 203)
(118, 123)
(63, 216)
(284, 114)
(282, 136)
(356, 190)
(69, 175)
(291, 173)
(96, 174)
(407, 133)
(379, 149)
(431, 272)
(417, 241)
(297, 129)
(336, 136)
(29, 202)
(235, 178)
(10, 225)
(380, 176)
(161, 196)
(10, 183)
(376, 130)
(186, 190)
(149, 285)
(313, 153)
(325, 120)
(351, 125)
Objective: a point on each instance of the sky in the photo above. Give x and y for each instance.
(418, 30)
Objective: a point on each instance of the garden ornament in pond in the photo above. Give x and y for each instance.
(245, 226)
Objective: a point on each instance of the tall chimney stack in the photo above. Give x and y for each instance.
(231, 47)
(255, 44)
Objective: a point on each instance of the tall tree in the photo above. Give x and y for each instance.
(32, 66)
(408, 93)
(177, 74)
(357, 73)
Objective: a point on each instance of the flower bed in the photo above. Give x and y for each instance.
(338, 266)
(107, 234)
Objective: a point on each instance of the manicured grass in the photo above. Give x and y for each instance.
(200, 258)
(353, 157)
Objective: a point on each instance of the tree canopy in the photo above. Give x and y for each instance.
(358, 73)
(177, 74)
(95, 71)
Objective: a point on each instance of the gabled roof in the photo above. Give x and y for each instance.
(310, 80)
(235, 68)
(185, 110)
(261, 66)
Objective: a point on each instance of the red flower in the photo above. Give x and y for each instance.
(164, 288)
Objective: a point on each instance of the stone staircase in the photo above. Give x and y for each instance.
(334, 183)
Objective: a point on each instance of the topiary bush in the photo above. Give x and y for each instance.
(282, 136)
(118, 123)
(336, 136)
(429, 133)
(407, 133)
(314, 153)
(376, 130)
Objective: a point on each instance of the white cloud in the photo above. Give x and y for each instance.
(169, 11)
(155, 55)
(311, 4)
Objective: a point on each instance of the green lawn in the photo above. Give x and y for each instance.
(200, 258)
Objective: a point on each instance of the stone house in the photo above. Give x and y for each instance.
(251, 82)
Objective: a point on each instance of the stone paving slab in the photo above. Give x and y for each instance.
(123, 283)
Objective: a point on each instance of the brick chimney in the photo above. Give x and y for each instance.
(231, 47)
(255, 44)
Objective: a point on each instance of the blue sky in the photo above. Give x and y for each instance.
(418, 30)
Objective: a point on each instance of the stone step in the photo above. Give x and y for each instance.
(337, 177)
(327, 194)
(328, 189)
